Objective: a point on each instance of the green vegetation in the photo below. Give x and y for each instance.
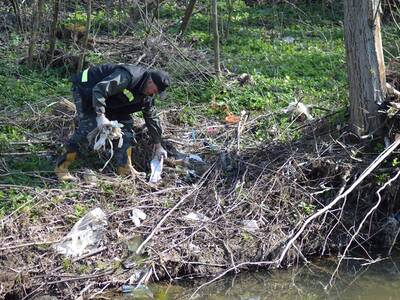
(289, 54)
(292, 52)
(21, 85)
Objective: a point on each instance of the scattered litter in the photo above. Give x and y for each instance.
(245, 79)
(250, 225)
(195, 157)
(194, 248)
(129, 263)
(137, 215)
(111, 132)
(99, 137)
(232, 119)
(193, 134)
(156, 166)
(198, 217)
(397, 216)
(135, 277)
(387, 142)
(213, 130)
(300, 108)
(85, 235)
(137, 292)
(209, 145)
(127, 288)
(288, 39)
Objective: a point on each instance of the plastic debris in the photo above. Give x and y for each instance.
(198, 217)
(213, 130)
(137, 216)
(99, 137)
(245, 79)
(209, 145)
(300, 108)
(135, 277)
(250, 225)
(127, 288)
(195, 157)
(84, 235)
(232, 119)
(194, 248)
(139, 292)
(288, 39)
(193, 134)
(156, 166)
(111, 132)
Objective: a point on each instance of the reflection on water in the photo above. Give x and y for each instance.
(373, 282)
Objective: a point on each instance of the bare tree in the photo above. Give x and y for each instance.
(53, 29)
(229, 21)
(186, 18)
(17, 12)
(214, 13)
(36, 16)
(86, 37)
(365, 64)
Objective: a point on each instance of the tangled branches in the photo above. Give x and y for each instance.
(246, 205)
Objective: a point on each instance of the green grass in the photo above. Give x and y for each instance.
(311, 68)
(21, 85)
(11, 199)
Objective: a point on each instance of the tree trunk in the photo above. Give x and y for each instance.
(53, 30)
(216, 38)
(17, 13)
(186, 18)
(86, 37)
(229, 21)
(365, 64)
(36, 16)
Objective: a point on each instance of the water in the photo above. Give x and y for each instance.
(376, 281)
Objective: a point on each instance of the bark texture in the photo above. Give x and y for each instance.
(186, 18)
(36, 19)
(214, 14)
(53, 30)
(365, 64)
(86, 38)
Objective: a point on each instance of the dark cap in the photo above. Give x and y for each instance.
(162, 81)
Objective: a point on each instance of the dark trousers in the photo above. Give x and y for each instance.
(85, 123)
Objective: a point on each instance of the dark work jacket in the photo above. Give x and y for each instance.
(103, 91)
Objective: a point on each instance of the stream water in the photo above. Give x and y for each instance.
(357, 279)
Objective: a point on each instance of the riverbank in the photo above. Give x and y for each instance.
(235, 206)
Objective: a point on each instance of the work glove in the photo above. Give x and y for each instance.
(102, 121)
(159, 152)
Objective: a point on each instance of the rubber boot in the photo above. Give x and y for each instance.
(127, 169)
(61, 169)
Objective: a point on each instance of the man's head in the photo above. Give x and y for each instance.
(157, 83)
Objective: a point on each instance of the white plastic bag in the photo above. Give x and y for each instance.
(156, 166)
(85, 235)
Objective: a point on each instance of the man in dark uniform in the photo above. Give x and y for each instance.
(99, 97)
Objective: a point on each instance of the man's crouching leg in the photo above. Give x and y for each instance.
(63, 164)
(123, 155)
(124, 164)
